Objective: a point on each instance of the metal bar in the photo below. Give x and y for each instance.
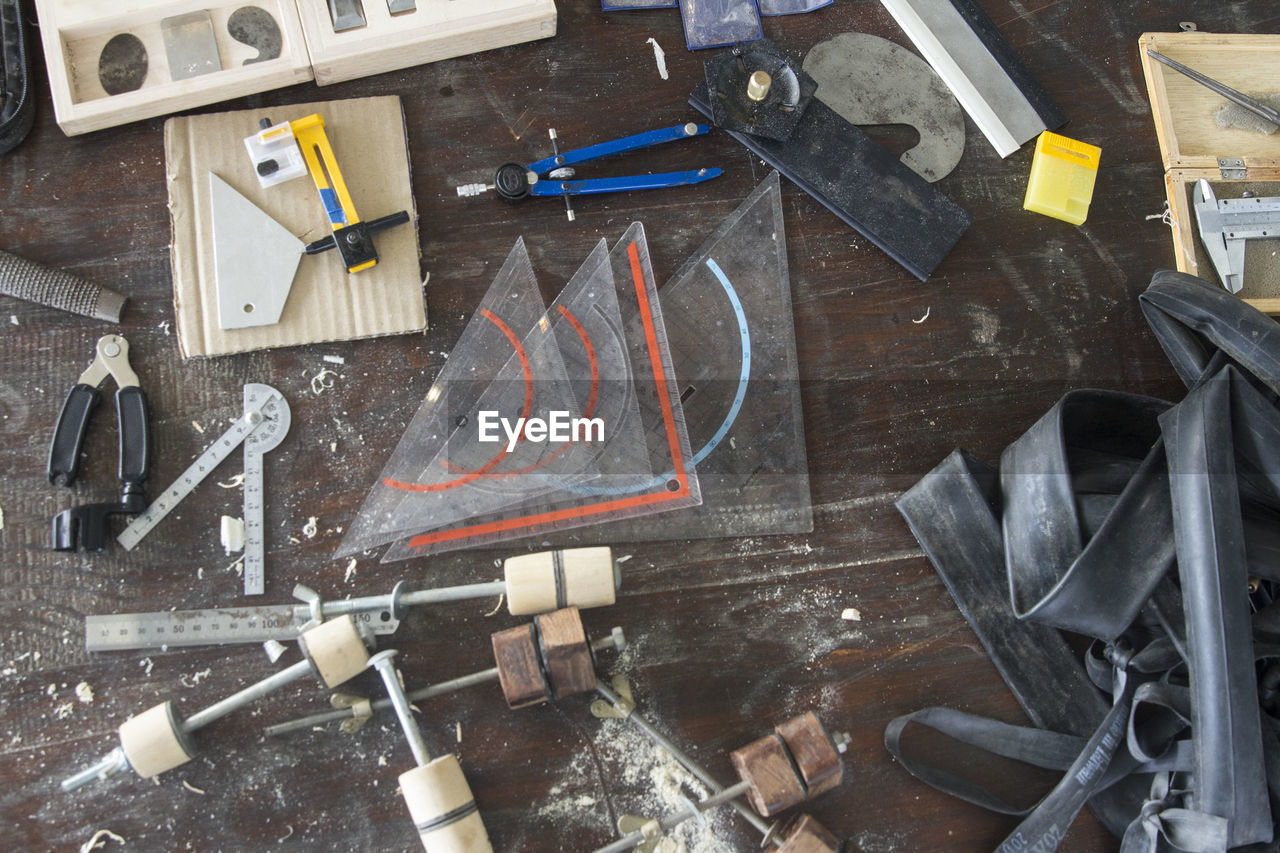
(250, 694)
(1253, 105)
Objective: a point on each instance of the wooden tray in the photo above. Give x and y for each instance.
(1192, 144)
(74, 33)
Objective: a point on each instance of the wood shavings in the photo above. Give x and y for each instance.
(501, 598)
(195, 678)
(287, 835)
(13, 319)
(234, 483)
(925, 317)
(196, 426)
(147, 664)
(99, 839)
(660, 58)
(64, 710)
(231, 532)
(351, 571)
(459, 725)
(237, 566)
(1, 518)
(851, 614)
(322, 382)
(311, 528)
(84, 692)
(334, 359)
(164, 327)
(192, 788)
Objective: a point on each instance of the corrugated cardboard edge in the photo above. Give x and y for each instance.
(325, 304)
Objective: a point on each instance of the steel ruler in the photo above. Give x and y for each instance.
(261, 428)
(173, 628)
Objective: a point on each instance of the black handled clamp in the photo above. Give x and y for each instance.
(86, 526)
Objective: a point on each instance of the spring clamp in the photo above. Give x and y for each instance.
(86, 526)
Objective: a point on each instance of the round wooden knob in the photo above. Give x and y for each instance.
(154, 741)
(806, 835)
(336, 650)
(538, 583)
(443, 809)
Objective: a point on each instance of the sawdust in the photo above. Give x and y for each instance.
(851, 614)
(311, 528)
(99, 839)
(195, 678)
(197, 427)
(659, 58)
(334, 359)
(66, 709)
(322, 382)
(84, 692)
(644, 780)
(497, 607)
(147, 664)
(234, 483)
(193, 788)
(351, 571)
(925, 317)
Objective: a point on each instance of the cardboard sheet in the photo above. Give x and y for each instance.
(325, 303)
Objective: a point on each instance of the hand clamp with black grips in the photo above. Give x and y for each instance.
(86, 526)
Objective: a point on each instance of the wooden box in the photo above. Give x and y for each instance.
(434, 30)
(75, 32)
(1194, 146)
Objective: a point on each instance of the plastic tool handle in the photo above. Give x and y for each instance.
(68, 435)
(135, 435)
(619, 146)
(592, 186)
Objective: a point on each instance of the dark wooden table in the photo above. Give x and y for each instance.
(730, 636)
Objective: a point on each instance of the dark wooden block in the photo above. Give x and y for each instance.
(566, 653)
(806, 835)
(813, 752)
(515, 651)
(767, 767)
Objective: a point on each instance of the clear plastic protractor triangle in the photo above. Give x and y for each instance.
(729, 324)
(506, 362)
(645, 463)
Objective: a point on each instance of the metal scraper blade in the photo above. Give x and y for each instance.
(190, 46)
(254, 259)
(868, 80)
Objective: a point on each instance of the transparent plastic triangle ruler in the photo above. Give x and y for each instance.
(729, 324)
(506, 361)
(644, 464)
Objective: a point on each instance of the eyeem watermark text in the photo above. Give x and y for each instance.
(558, 427)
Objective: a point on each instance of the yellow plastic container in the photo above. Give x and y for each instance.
(1062, 175)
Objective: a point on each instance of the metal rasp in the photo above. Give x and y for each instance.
(57, 289)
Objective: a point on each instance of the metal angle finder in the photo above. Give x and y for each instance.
(261, 428)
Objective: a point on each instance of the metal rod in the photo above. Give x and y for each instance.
(413, 599)
(438, 689)
(382, 662)
(692, 766)
(250, 694)
(671, 821)
(1253, 105)
(113, 762)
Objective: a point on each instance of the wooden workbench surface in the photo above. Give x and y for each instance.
(729, 636)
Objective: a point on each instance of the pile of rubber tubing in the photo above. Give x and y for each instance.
(1152, 528)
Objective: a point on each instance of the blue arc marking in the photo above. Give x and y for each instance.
(744, 376)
